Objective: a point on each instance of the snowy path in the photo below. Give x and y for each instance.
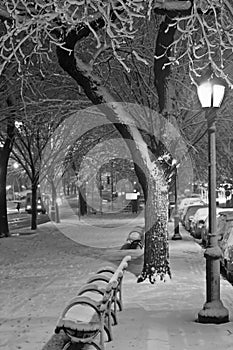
(106, 232)
(41, 273)
(162, 316)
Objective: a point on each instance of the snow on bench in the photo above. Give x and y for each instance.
(88, 317)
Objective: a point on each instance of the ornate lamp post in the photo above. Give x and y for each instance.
(211, 92)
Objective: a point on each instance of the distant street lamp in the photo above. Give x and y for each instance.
(211, 93)
(176, 236)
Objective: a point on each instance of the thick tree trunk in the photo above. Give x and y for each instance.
(34, 208)
(4, 229)
(156, 233)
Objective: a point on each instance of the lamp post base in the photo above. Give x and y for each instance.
(177, 234)
(213, 312)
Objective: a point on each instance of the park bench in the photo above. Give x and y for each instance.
(88, 317)
(135, 239)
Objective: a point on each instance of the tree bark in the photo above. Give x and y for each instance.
(156, 233)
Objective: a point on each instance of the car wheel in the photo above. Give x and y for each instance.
(194, 234)
(203, 242)
(198, 234)
(222, 268)
(229, 276)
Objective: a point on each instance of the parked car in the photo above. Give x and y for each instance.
(187, 202)
(205, 231)
(222, 215)
(197, 222)
(190, 211)
(226, 245)
(28, 204)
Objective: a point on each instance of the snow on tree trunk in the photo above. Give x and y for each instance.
(156, 237)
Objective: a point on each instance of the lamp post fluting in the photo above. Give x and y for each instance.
(211, 94)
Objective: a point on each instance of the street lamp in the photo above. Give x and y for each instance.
(176, 236)
(211, 93)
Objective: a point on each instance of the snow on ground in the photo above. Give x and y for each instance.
(108, 231)
(163, 316)
(40, 273)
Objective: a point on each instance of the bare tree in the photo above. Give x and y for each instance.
(8, 105)
(25, 105)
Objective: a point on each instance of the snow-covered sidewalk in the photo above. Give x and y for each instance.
(41, 273)
(102, 231)
(162, 316)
